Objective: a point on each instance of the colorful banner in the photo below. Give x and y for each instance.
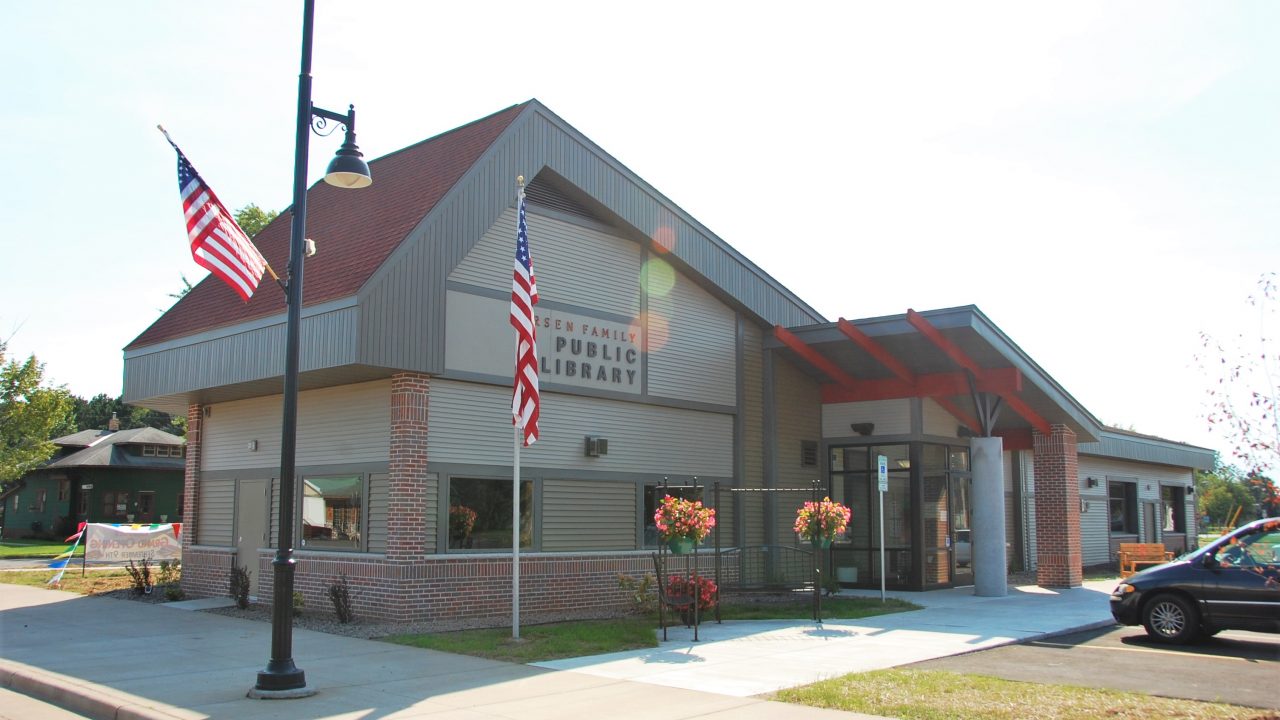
(107, 542)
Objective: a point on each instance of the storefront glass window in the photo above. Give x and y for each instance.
(1175, 508)
(480, 514)
(332, 512)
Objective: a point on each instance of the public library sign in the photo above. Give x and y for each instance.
(579, 350)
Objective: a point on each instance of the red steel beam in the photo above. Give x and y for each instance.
(934, 385)
(959, 357)
(876, 350)
(813, 357)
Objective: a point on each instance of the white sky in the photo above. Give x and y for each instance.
(1100, 179)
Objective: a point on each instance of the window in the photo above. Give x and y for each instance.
(41, 496)
(15, 502)
(653, 495)
(115, 504)
(1123, 504)
(332, 512)
(64, 490)
(182, 501)
(148, 450)
(480, 514)
(82, 502)
(146, 504)
(1173, 503)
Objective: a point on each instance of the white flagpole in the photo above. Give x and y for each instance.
(515, 538)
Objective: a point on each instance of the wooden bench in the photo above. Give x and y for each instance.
(1137, 556)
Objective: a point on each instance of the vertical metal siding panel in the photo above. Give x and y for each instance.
(471, 424)
(753, 423)
(378, 502)
(696, 361)
(589, 515)
(217, 512)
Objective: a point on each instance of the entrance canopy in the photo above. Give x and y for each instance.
(957, 357)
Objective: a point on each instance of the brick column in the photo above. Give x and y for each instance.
(1057, 486)
(191, 475)
(407, 486)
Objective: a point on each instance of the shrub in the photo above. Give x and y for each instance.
(639, 592)
(298, 603)
(173, 593)
(170, 571)
(240, 585)
(340, 595)
(141, 576)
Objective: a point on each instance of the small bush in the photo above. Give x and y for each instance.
(170, 571)
(240, 585)
(639, 592)
(141, 576)
(340, 595)
(298, 603)
(173, 593)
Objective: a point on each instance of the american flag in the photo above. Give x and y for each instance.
(524, 295)
(217, 242)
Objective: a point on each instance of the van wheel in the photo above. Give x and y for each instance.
(1171, 619)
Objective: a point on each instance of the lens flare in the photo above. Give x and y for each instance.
(657, 277)
(664, 239)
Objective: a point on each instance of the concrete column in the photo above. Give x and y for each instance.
(988, 537)
(407, 483)
(1057, 488)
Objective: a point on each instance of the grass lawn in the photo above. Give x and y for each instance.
(595, 637)
(35, 549)
(939, 695)
(95, 581)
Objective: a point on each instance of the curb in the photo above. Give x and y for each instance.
(89, 699)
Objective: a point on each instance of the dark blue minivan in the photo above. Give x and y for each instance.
(1232, 583)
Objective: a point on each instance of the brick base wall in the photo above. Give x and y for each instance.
(206, 572)
(440, 588)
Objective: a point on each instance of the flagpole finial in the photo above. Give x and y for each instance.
(520, 180)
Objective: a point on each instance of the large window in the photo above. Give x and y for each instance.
(333, 512)
(480, 514)
(1123, 505)
(115, 505)
(1173, 503)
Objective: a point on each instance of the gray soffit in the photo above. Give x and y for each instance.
(970, 330)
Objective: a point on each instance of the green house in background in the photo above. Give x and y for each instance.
(101, 476)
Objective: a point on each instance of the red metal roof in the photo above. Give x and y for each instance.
(355, 231)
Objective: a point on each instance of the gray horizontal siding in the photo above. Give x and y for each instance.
(588, 515)
(471, 424)
(378, 503)
(574, 265)
(890, 417)
(692, 340)
(328, 339)
(216, 508)
(339, 425)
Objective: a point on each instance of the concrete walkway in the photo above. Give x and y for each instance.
(109, 658)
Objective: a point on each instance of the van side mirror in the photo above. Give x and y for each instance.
(1209, 560)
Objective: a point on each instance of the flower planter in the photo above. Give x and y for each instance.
(820, 543)
(680, 545)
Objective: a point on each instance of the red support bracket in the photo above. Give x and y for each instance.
(813, 357)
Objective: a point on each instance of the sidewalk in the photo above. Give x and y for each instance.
(112, 658)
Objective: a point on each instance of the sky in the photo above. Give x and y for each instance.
(1100, 179)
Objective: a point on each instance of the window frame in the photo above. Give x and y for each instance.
(1178, 506)
(1129, 506)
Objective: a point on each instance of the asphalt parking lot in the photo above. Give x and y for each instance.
(1234, 667)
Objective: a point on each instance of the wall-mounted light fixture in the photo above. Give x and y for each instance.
(253, 446)
(863, 429)
(1191, 490)
(1091, 482)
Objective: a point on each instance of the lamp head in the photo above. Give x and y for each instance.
(348, 168)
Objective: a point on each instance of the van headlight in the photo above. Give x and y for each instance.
(1123, 589)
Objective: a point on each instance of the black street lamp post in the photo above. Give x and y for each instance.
(282, 678)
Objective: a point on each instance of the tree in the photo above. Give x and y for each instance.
(186, 288)
(252, 218)
(1265, 494)
(1243, 401)
(1219, 494)
(30, 415)
(95, 414)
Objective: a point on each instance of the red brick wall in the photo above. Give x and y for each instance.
(1057, 487)
(191, 476)
(407, 482)
(206, 572)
